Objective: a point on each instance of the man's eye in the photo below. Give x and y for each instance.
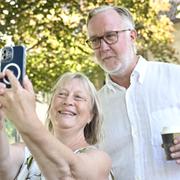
(95, 40)
(110, 36)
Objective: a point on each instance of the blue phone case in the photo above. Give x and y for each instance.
(13, 58)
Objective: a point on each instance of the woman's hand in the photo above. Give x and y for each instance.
(1, 120)
(1, 112)
(17, 102)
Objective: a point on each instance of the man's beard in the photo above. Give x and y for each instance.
(120, 68)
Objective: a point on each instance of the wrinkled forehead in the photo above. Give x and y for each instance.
(106, 21)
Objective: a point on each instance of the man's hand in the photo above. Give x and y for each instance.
(175, 150)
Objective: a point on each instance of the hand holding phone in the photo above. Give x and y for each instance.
(13, 58)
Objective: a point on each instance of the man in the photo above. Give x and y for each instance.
(139, 99)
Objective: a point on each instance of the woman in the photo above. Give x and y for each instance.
(67, 152)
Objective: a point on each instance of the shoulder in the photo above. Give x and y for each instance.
(162, 71)
(163, 65)
(159, 64)
(102, 156)
(93, 151)
(102, 161)
(95, 161)
(98, 157)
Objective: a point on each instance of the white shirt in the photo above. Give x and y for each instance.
(134, 118)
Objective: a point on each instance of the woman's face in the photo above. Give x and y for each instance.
(71, 106)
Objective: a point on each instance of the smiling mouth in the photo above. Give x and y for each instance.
(69, 113)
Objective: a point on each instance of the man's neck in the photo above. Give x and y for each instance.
(123, 81)
(124, 78)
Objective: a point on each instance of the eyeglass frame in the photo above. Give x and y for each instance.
(88, 41)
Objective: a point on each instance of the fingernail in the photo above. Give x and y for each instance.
(173, 155)
(171, 149)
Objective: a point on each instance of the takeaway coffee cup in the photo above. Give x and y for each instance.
(168, 134)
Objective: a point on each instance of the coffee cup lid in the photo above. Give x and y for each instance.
(171, 129)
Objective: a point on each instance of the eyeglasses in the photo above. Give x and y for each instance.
(109, 37)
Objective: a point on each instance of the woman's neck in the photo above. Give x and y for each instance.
(72, 140)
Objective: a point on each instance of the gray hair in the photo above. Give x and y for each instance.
(123, 12)
(92, 130)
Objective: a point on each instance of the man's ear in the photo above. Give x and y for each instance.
(133, 34)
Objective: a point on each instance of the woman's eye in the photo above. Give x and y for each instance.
(62, 94)
(79, 98)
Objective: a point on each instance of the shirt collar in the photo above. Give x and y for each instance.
(140, 70)
(112, 85)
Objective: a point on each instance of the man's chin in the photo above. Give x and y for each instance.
(111, 71)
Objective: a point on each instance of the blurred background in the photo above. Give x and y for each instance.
(54, 34)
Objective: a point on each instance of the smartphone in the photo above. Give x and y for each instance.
(14, 59)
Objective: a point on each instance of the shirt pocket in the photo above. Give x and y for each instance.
(169, 116)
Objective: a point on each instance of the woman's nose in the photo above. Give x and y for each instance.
(68, 100)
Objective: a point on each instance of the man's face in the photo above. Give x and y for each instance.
(115, 58)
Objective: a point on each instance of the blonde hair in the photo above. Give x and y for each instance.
(92, 130)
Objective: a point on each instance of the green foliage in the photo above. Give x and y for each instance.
(11, 132)
(54, 33)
